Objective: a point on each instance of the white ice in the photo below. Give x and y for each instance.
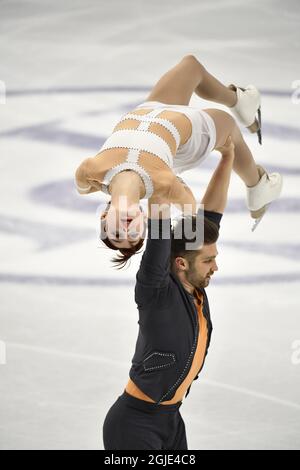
(68, 321)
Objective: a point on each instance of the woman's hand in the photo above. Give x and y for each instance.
(227, 148)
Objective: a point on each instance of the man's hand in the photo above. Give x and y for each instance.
(227, 148)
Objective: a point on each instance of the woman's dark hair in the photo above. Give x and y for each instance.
(119, 261)
(178, 245)
(126, 253)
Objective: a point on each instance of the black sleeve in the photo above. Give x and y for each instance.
(155, 264)
(154, 268)
(214, 217)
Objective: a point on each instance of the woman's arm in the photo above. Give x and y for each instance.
(182, 196)
(215, 197)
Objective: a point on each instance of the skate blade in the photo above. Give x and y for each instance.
(258, 220)
(256, 126)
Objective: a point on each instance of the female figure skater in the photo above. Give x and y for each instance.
(163, 137)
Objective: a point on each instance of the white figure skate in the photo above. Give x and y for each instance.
(260, 196)
(246, 107)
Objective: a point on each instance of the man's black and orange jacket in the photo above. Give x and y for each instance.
(168, 320)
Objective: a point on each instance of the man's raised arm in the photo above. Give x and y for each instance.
(154, 268)
(215, 197)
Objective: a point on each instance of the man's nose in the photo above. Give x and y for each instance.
(215, 268)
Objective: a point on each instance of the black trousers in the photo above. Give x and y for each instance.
(135, 424)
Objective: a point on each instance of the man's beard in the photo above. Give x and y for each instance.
(195, 279)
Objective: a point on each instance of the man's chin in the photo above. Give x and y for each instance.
(203, 283)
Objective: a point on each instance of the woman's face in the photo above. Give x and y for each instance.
(126, 227)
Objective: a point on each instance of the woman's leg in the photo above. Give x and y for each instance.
(244, 164)
(177, 86)
(188, 76)
(209, 88)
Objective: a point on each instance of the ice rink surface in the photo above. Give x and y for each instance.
(68, 321)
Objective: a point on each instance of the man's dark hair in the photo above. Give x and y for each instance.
(178, 245)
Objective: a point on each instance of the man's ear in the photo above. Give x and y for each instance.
(181, 263)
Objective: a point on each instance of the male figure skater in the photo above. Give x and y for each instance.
(174, 324)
